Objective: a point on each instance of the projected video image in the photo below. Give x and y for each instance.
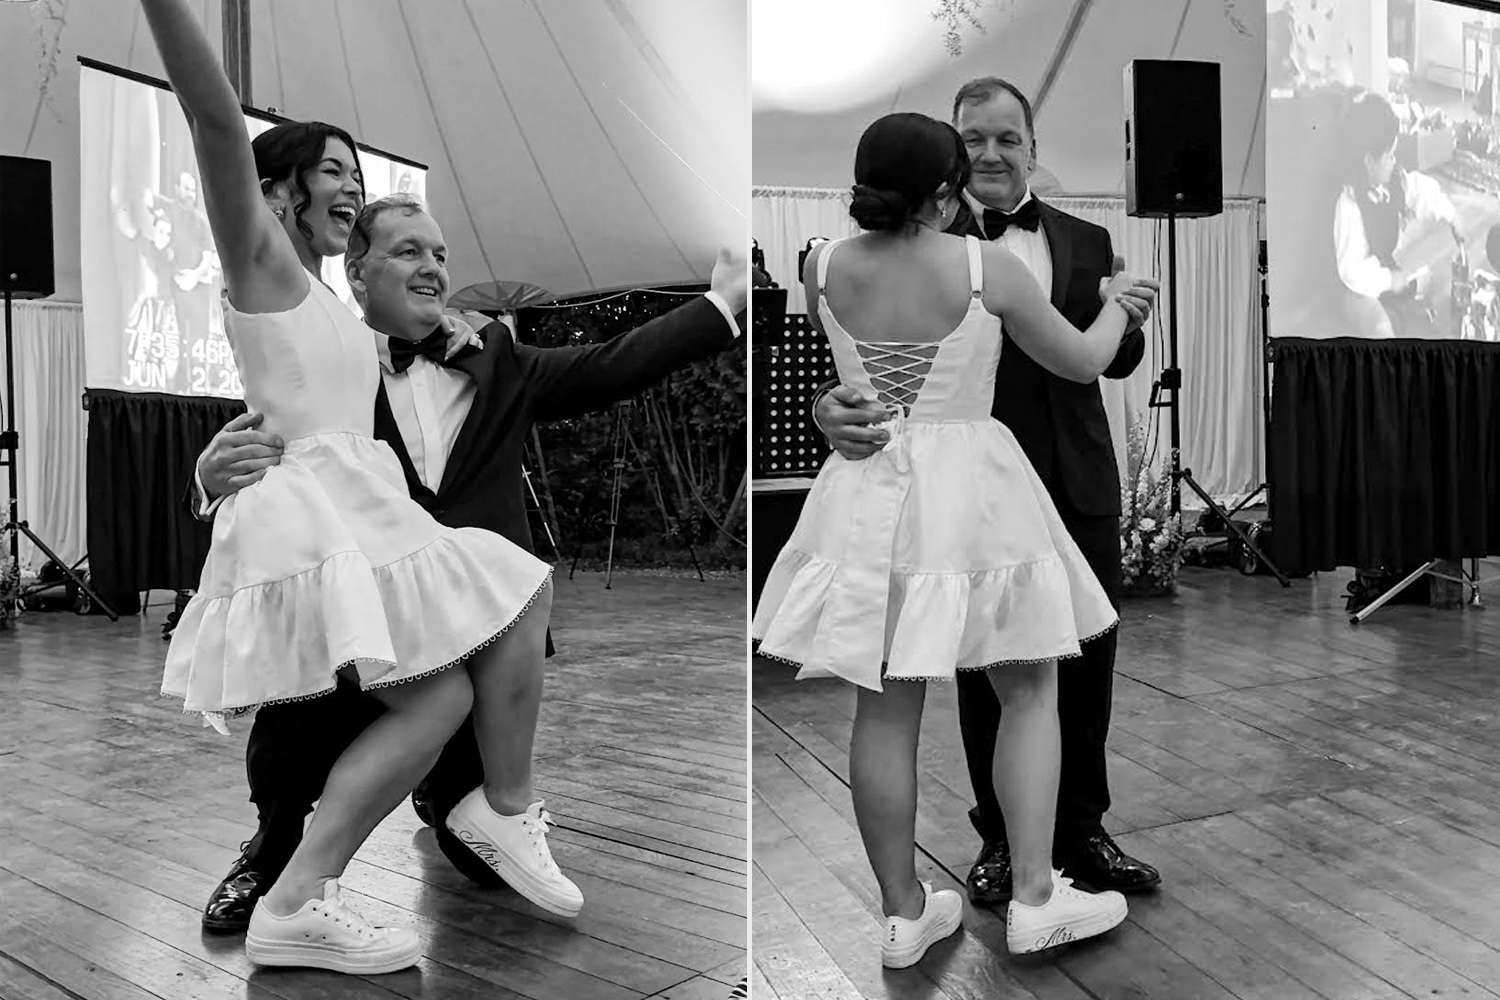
(1382, 170)
(153, 311)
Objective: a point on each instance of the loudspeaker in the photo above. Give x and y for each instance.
(1174, 149)
(26, 227)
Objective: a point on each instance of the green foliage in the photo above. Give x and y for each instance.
(680, 447)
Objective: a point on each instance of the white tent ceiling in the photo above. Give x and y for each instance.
(580, 145)
(817, 89)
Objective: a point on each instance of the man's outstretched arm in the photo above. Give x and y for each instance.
(567, 381)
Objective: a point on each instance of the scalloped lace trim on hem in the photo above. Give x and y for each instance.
(235, 713)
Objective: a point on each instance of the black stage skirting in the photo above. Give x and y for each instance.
(141, 450)
(1383, 452)
(775, 506)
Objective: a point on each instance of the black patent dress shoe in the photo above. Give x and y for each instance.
(229, 908)
(421, 803)
(1097, 863)
(989, 879)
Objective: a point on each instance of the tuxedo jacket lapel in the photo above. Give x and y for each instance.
(479, 366)
(1059, 242)
(387, 430)
(964, 223)
(1060, 246)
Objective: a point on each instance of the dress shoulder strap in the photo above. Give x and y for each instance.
(976, 266)
(824, 253)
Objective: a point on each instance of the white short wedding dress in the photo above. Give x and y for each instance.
(942, 552)
(327, 563)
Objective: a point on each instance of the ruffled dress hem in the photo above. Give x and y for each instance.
(1043, 609)
(240, 712)
(337, 628)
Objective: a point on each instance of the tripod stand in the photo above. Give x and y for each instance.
(541, 511)
(620, 441)
(10, 447)
(1265, 392)
(1170, 382)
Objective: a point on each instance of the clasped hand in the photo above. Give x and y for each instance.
(1136, 295)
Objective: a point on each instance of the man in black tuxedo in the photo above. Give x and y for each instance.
(456, 407)
(1062, 428)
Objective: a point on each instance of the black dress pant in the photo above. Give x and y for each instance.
(293, 746)
(1085, 687)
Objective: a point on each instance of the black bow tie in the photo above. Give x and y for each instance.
(433, 347)
(996, 222)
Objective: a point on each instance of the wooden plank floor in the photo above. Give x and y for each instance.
(1322, 801)
(118, 815)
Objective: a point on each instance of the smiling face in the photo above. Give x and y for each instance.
(402, 280)
(335, 194)
(1001, 149)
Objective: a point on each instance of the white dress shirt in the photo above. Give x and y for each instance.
(430, 403)
(1359, 269)
(1030, 246)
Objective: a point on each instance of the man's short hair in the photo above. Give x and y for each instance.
(364, 223)
(987, 88)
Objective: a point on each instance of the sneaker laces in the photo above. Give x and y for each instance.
(537, 822)
(345, 916)
(1064, 886)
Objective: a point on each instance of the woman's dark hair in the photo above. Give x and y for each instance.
(901, 161)
(289, 150)
(1369, 129)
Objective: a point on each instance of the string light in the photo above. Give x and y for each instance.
(573, 304)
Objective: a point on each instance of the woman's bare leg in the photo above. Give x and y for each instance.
(1027, 762)
(883, 778)
(371, 777)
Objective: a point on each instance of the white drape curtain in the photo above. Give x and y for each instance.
(51, 422)
(1218, 321)
(783, 219)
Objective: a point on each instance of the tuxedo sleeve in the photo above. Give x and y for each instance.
(567, 381)
(1133, 344)
(195, 496)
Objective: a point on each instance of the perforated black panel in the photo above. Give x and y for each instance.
(791, 361)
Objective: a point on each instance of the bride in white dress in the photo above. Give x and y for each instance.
(326, 565)
(943, 552)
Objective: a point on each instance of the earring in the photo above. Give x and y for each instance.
(280, 213)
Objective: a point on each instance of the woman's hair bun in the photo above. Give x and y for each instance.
(878, 209)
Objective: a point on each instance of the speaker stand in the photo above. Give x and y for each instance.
(1265, 390)
(1170, 382)
(10, 447)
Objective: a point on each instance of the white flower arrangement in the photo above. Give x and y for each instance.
(1151, 537)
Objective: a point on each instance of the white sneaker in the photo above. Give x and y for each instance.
(1069, 915)
(516, 848)
(326, 934)
(906, 941)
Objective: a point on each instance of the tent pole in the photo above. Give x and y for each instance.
(237, 47)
